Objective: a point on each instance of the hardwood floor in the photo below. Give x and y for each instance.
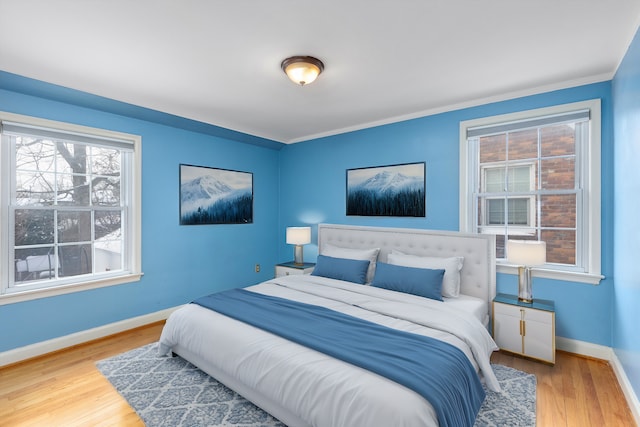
(65, 388)
(576, 391)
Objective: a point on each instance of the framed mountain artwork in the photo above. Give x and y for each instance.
(394, 190)
(215, 196)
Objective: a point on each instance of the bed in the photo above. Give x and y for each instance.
(303, 386)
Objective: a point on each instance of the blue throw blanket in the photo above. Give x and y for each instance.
(438, 371)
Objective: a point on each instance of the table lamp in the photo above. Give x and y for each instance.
(526, 254)
(298, 236)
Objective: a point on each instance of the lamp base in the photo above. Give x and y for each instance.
(297, 255)
(524, 285)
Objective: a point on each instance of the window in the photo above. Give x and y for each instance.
(512, 210)
(70, 202)
(536, 176)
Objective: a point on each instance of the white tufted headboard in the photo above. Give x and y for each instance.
(478, 275)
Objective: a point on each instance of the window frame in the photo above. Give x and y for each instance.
(590, 205)
(131, 193)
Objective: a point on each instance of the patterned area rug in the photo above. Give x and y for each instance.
(169, 391)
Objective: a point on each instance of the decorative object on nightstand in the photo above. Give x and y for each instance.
(527, 329)
(298, 236)
(291, 268)
(526, 254)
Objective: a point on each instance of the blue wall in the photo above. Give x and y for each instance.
(179, 262)
(626, 269)
(313, 190)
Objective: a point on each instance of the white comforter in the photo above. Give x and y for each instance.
(316, 389)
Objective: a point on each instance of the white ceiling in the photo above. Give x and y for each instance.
(218, 61)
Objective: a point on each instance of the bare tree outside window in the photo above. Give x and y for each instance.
(67, 208)
(71, 197)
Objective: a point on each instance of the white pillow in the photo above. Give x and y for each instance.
(357, 254)
(451, 266)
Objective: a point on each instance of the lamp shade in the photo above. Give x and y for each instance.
(298, 235)
(526, 252)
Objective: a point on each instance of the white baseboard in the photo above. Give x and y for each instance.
(44, 347)
(584, 348)
(605, 353)
(627, 389)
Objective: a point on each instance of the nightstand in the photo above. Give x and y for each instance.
(290, 268)
(527, 329)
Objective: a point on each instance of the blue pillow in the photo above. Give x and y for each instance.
(350, 270)
(423, 282)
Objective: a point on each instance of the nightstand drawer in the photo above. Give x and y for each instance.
(291, 269)
(284, 271)
(531, 314)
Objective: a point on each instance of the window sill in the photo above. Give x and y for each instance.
(20, 296)
(569, 276)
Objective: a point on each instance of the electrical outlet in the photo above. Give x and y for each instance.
(257, 268)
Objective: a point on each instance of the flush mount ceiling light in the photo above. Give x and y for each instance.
(302, 70)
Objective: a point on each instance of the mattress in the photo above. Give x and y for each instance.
(468, 304)
(303, 387)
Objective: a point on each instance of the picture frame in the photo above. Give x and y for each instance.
(211, 195)
(392, 190)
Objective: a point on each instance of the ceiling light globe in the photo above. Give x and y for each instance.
(302, 70)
